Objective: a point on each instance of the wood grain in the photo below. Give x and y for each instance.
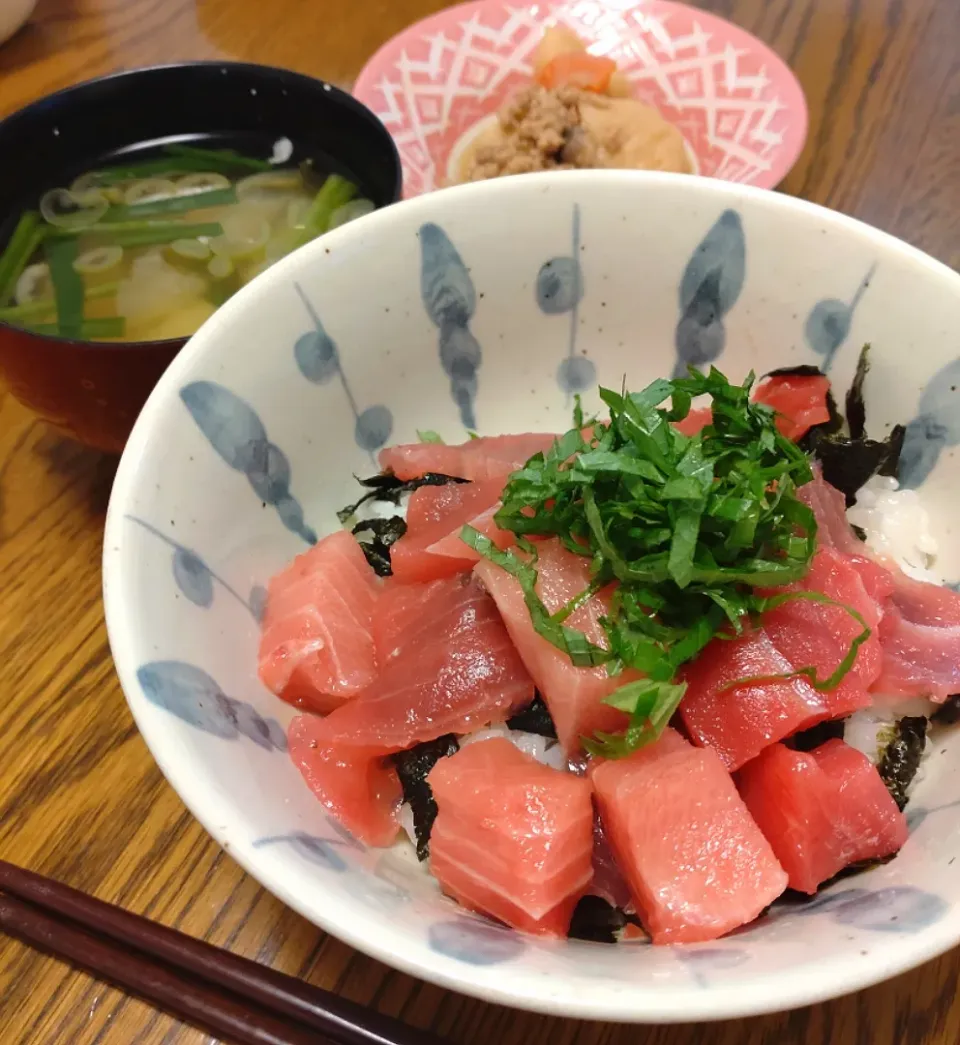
(80, 797)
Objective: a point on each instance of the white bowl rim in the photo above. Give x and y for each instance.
(829, 978)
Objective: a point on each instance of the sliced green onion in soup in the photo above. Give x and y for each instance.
(202, 181)
(350, 212)
(73, 210)
(297, 211)
(148, 190)
(34, 284)
(224, 278)
(100, 263)
(244, 238)
(268, 184)
(188, 253)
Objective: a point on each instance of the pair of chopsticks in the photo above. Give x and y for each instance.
(228, 996)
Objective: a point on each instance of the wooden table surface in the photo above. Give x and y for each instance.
(80, 797)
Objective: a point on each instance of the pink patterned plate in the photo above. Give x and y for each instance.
(738, 105)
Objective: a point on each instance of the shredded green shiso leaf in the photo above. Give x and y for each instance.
(688, 527)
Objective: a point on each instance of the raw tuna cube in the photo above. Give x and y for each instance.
(697, 864)
(811, 634)
(800, 401)
(356, 787)
(399, 613)
(829, 506)
(513, 838)
(431, 547)
(739, 722)
(920, 637)
(452, 669)
(316, 650)
(573, 695)
(490, 457)
(864, 809)
(821, 810)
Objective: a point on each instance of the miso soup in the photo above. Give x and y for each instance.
(149, 250)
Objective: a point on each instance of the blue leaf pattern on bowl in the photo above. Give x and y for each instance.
(710, 286)
(893, 909)
(318, 359)
(450, 300)
(829, 322)
(474, 942)
(919, 815)
(936, 426)
(194, 577)
(320, 851)
(258, 602)
(234, 430)
(190, 694)
(559, 291)
(702, 960)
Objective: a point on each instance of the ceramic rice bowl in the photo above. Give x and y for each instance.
(486, 308)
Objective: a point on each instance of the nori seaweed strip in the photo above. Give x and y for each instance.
(848, 463)
(412, 768)
(534, 718)
(377, 548)
(894, 444)
(387, 487)
(948, 714)
(901, 759)
(860, 532)
(808, 739)
(856, 408)
(808, 441)
(594, 919)
(801, 370)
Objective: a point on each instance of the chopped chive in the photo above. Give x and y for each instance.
(39, 309)
(165, 234)
(688, 530)
(172, 205)
(334, 193)
(168, 166)
(67, 286)
(26, 238)
(119, 229)
(89, 329)
(227, 159)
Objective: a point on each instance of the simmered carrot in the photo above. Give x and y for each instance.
(586, 71)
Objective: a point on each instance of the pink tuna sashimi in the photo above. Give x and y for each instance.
(316, 650)
(818, 635)
(573, 695)
(920, 636)
(513, 838)
(865, 809)
(834, 531)
(830, 508)
(452, 670)
(740, 721)
(697, 864)
(399, 610)
(800, 401)
(431, 548)
(695, 421)
(356, 787)
(490, 457)
(821, 811)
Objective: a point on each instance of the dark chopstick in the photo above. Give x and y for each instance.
(220, 1014)
(254, 1005)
